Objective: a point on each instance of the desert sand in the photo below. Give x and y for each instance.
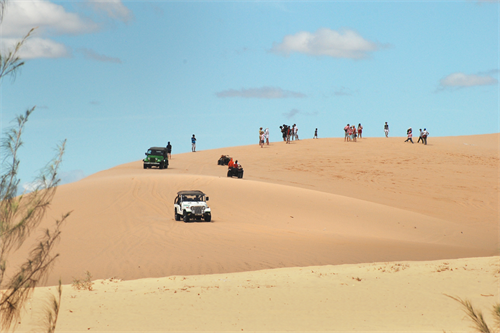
(319, 235)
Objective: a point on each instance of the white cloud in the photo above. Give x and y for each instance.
(21, 16)
(71, 176)
(36, 48)
(326, 42)
(64, 178)
(91, 54)
(264, 92)
(460, 80)
(51, 20)
(290, 114)
(112, 8)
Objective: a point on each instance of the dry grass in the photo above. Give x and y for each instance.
(84, 283)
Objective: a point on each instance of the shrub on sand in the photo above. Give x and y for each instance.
(476, 316)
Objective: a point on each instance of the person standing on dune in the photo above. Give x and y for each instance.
(315, 134)
(425, 134)
(169, 150)
(386, 129)
(266, 133)
(193, 144)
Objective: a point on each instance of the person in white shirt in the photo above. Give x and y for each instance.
(425, 134)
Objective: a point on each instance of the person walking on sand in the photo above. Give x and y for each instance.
(296, 132)
(169, 150)
(349, 133)
(360, 131)
(410, 135)
(315, 134)
(262, 138)
(386, 130)
(354, 133)
(420, 138)
(193, 144)
(266, 133)
(260, 133)
(425, 134)
(346, 130)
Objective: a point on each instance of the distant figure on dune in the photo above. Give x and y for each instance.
(296, 132)
(266, 133)
(169, 150)
(349, 133)
(409, 133)
(425, 134)
(193, 144)
(420, 138)
(260, 133)
(360, 131)
(346, 134)
(354, 134)
(315, 134)
(262, 139)
(283, 131)
(386, 129)
(288, 134)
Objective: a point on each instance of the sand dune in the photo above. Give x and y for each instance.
(310, 203)
(122, 222)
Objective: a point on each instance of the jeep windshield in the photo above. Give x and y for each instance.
(192, 197)
(155, 152)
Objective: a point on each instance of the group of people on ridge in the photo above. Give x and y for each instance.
(263, 137)
(351, 133)
(289, 133)
(423, 135)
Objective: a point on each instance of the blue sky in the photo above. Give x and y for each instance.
(116, 77)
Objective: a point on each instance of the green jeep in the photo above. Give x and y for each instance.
(156, 156)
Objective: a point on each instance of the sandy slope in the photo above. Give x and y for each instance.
(398, 209)
(383, 297)
(313, 202)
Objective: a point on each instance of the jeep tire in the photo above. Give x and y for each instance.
(207, 217)
(185, 217)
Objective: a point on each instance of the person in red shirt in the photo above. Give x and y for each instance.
(231, 163)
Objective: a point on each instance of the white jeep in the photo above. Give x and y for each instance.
(191, 204)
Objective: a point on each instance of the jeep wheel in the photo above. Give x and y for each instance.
(177, 217)
(185, 217)
(145, 167)
(229, 173)
(208, 218)
(162, 165)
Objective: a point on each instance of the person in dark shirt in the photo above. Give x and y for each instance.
(193, 144)
(169, 150)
